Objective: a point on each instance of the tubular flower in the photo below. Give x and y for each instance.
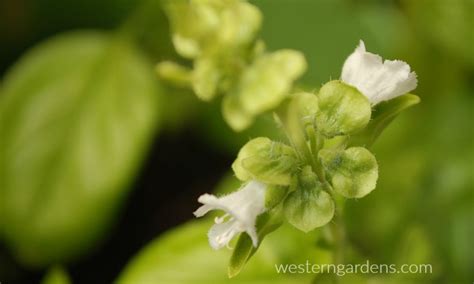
(241, 210)
(378, 80)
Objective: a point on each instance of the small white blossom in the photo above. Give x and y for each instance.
(241, 210)
(378, 80)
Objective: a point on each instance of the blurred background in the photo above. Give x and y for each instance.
(89, 178)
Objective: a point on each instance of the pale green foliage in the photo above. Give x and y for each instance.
(220, 38)
(264, 85)
(205, 27)
(269, 79)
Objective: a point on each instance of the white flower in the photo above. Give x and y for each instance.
(378, 81)
(242, 208)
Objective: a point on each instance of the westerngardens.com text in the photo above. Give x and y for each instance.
(363, 268)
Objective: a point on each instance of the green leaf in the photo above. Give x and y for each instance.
(266, 161)
(309, 206)
(244, 249)
(353, 172)
(342, 109)
(382, 115)
(268, 81)
(183, 255)
(56, 275)
(76, 116)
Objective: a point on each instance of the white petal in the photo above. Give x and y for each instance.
(377, 80)
(242, 206)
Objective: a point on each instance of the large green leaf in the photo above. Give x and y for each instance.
(184, 256)
(76, 115)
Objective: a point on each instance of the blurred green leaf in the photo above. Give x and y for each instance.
(56, 275)
(76, 115)
(446, 24)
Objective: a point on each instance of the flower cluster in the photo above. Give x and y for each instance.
(322, 157)
(220, 38)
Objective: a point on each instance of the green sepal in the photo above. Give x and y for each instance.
(274, 195)
(309, 206)
(266, 161)
(382, 115)
(353, 172)
(342, 109)
(244, 249)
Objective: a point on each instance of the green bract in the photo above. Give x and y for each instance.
(342, 109)
(309, 206)
(353, 171)
(266, 161)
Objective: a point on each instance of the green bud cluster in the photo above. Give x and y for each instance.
(220, 38)
(317, 162)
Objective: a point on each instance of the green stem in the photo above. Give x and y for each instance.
(316, 143)
(337, 225)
